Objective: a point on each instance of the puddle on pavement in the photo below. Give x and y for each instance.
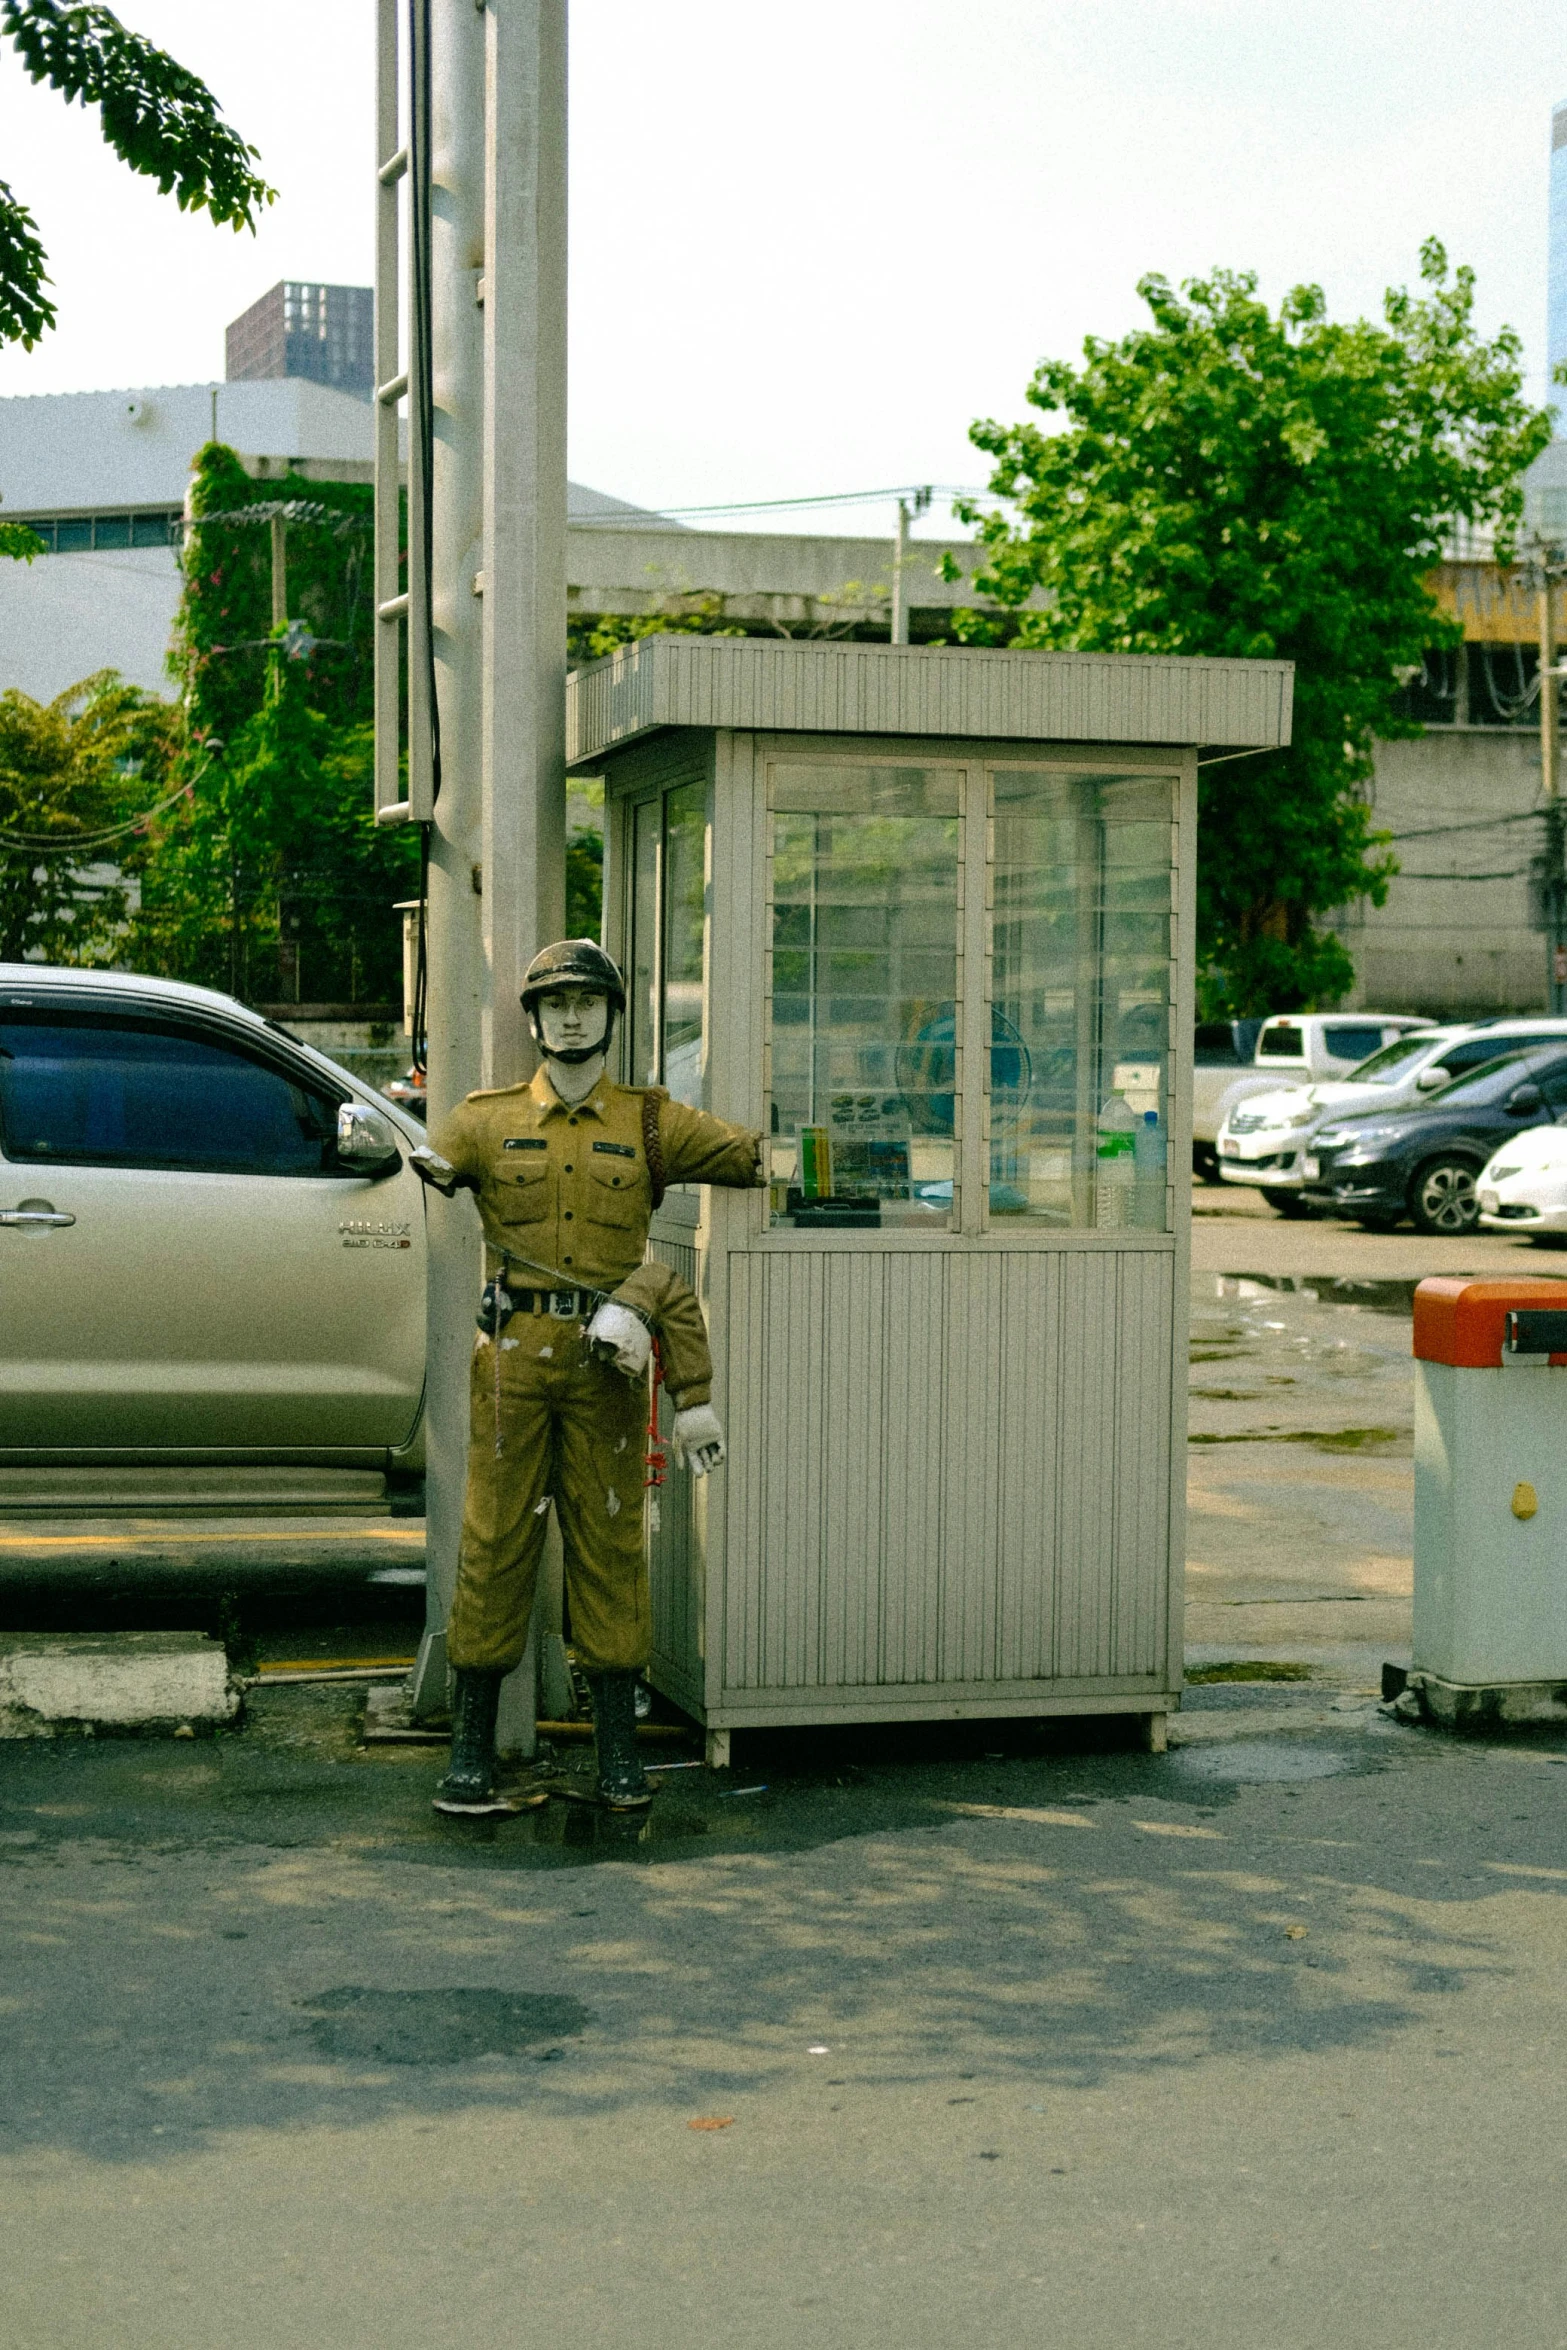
(1263, 1762)
(356, 2024)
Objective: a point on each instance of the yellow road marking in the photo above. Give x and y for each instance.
(129, 1541)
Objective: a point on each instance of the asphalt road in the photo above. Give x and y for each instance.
(1253, 2042)
(903, 2037)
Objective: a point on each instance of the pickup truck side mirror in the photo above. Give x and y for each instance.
(1525, 1101)
(366, 1144)
(1429, 1079)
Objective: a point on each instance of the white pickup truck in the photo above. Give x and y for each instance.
(1264, 1139)
(1234, 1058)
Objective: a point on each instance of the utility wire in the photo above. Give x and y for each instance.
(1468, 824)
(780, 505)
(58, 844)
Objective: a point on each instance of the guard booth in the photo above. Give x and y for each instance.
(925, 917)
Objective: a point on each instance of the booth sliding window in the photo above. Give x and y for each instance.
(871, 997)
(668, 861)
(865, 937)
(1080, 997)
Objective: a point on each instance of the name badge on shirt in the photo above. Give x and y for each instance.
(525, 1142)
(619, 1150)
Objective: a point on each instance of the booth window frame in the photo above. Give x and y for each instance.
(972, 1219)
(735, 767)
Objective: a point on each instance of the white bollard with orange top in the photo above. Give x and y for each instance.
(1490, 1616)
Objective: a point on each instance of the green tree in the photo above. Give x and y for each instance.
(273, 878)
(77, 776)
(1234, 482)
(159, 119)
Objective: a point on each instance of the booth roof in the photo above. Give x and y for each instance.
(931, 690)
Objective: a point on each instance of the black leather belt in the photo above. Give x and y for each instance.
(566, 1305)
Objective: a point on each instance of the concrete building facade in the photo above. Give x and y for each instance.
(323, 334)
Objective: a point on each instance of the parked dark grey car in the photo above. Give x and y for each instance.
(1422, 1162)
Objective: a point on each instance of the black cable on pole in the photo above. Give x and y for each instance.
(422, 376)
(421, 1043)
(423, 353)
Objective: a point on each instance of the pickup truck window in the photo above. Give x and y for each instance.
(1284, 1043)
(89, 1090)
(1215, 1046)
(1351, 1044)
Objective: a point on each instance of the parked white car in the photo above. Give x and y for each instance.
(1523, 1189)
(1309, 1048)
(1263, 1140)
(212, 1246)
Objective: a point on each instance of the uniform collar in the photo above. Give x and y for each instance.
(549, 1103)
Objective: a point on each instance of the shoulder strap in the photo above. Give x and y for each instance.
(652, 1145)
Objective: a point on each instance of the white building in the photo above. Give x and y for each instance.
(102, 476)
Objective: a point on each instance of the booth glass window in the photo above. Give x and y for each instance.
(668, 912)
(865, 927)
(1080, 997)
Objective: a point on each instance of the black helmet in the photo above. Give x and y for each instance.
(573, 962)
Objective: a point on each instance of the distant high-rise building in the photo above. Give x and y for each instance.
(324, 333)
(1556, 306)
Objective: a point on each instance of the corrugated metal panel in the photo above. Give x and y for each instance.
(947, 1468)
(1003, 696)
(672, 1558)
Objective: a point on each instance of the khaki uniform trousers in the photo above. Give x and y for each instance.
(573, 1429)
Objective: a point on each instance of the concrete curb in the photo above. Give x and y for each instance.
(55, 1685)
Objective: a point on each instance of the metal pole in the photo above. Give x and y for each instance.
(524, 602)
(900, 550)
(279, 536)
(498, 566)
(455, 949)
(1555, 814)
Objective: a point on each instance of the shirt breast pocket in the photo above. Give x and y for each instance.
(525, 1199)
(616, 1195)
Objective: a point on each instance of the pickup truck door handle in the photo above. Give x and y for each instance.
(34, 1215)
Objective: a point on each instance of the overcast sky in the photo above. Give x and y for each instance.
(811, 242)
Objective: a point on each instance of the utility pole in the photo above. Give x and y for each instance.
(1550, 772)
(916, 502)
(279, 535)
(486, 622)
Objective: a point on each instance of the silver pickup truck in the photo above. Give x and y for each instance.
(212, 1249)
(1234, 1058)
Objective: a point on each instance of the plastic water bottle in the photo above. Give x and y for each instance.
(1115, 1154)
(1151, 1155)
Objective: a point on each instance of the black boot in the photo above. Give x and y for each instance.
(622, 1780)
(469, 1784)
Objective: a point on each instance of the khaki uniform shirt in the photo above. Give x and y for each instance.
(569, 1187)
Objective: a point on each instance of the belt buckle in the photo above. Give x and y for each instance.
(563, 1304)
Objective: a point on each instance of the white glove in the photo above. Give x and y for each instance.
(626, 1336)
(699, 1440)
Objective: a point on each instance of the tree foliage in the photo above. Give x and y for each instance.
(158, 117)
(275, 880)
(1232, 482)
(18, 541)
(221, 652)
(88, 763)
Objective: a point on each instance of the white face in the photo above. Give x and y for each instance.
(571, 1017)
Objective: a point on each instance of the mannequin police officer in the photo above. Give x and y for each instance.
(567, 1171)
